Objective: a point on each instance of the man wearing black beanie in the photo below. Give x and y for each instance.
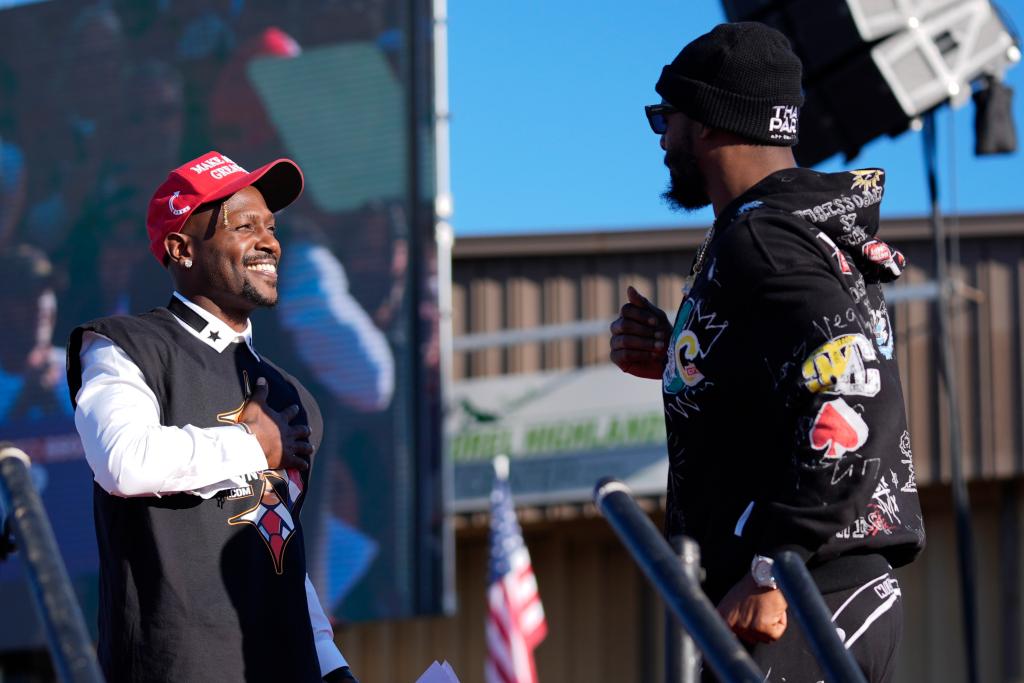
(784, 413)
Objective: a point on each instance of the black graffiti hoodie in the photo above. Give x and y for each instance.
(783, 406)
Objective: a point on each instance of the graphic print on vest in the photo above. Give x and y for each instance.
(272, 514)
(232, 417)
(280, 491)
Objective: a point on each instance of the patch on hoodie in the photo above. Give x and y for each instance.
(838, 429)
(693, 336)
(869, 188)
(839, 366)
(867, 179)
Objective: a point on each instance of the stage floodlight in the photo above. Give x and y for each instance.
(825, 33)
(746, 10)
(938, 60)
(873, 67)
(877, 19)
(847, 108)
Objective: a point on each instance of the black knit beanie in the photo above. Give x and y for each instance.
(741, 77)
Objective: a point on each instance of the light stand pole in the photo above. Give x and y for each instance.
(943, 342)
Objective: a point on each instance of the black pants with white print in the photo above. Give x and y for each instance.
(869, 620)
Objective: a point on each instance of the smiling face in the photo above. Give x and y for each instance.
(234, 253)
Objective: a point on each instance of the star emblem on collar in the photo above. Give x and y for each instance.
(214, 335)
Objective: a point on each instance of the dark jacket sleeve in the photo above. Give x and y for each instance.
(814, 376)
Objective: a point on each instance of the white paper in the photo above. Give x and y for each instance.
(439, 673)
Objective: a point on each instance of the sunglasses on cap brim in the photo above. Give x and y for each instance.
(657, 116)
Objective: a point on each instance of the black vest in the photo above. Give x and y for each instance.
(194, 589)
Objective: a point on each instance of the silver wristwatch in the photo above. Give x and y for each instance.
(761, 570)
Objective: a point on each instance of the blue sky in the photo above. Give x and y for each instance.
(548, 131)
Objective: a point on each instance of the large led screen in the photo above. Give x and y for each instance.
(97, 103)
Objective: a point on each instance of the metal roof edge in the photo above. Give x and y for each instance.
(912, 228)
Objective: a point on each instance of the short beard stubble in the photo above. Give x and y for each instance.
(686, 190)
(251, 294)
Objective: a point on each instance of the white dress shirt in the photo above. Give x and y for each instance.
(132, 454)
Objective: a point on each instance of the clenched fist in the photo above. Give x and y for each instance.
(755, 614)
(640, 337)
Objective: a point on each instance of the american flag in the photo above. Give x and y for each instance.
(515, 618)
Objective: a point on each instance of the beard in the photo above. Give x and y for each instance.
(686, 190)
(251, 294)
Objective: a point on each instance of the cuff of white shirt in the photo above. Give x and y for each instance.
(330, 656)
(247, 459)
(244, 448)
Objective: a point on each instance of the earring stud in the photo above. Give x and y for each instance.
(187, 263)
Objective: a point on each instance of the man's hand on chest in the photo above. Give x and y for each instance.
(284, 444)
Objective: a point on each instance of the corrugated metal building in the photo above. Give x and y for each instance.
(605, 623)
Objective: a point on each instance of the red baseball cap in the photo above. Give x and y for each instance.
(208, 178)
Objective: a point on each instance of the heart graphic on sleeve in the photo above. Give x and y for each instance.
(838, 429)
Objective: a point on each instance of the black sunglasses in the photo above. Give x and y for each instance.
(657, 116)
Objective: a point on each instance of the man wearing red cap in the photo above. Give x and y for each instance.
(201, 451)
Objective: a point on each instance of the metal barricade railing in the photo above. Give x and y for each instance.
(813, 616)
(722, 651)
(71, 648)
(675, 573)
(682, 656)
